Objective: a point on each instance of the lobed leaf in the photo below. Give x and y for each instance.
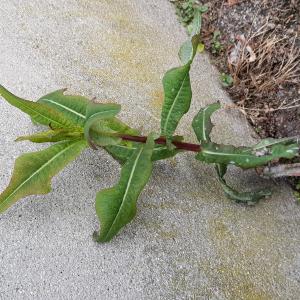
(202, 124)
(249, 198)
(72, 107)
(244, 157)
(116, 206)
(39, 112)
(33, 171)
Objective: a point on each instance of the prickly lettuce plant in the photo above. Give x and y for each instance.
(75, 123)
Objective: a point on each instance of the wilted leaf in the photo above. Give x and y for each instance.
(51, 136)
(202, 124)
(116, 206)
(249, 198)
(39, 112)
(72, 107)
(33, 171)
(178, 95)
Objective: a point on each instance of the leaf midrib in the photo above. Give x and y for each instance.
(37, 112)
(203, 124)
(126, 191)
(65, 107)
(227, 154)
(173, 104)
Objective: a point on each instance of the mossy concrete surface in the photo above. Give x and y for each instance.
(188, 241)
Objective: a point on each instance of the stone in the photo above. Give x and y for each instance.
(188, 241)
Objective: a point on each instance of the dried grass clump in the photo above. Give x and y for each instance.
(261, 64)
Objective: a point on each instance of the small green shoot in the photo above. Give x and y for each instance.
(216, 46)
(226, 80)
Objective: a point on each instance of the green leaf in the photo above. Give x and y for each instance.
(203, 9)
(33, 171)
(188, 49)
(249, 198)
(202, 124)
(107, 132)
(200, 47)
(116, 206)
(123, 151)
(51, 136)
(118, 126)
(95, 114)
(226, 80)
(101, 135)
(268, 142)
(39, 112)
(242, 157)
(163, 152)
(186, 52)
(196, 23)
(178, 95)
(72, 107)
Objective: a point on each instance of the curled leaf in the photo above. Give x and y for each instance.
(249, 198)
(95, 116)
(202, 124)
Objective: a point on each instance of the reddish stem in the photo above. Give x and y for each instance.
(162, 141)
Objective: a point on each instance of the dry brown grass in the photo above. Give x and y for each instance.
(263, 63)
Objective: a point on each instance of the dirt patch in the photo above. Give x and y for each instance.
(256, 43)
